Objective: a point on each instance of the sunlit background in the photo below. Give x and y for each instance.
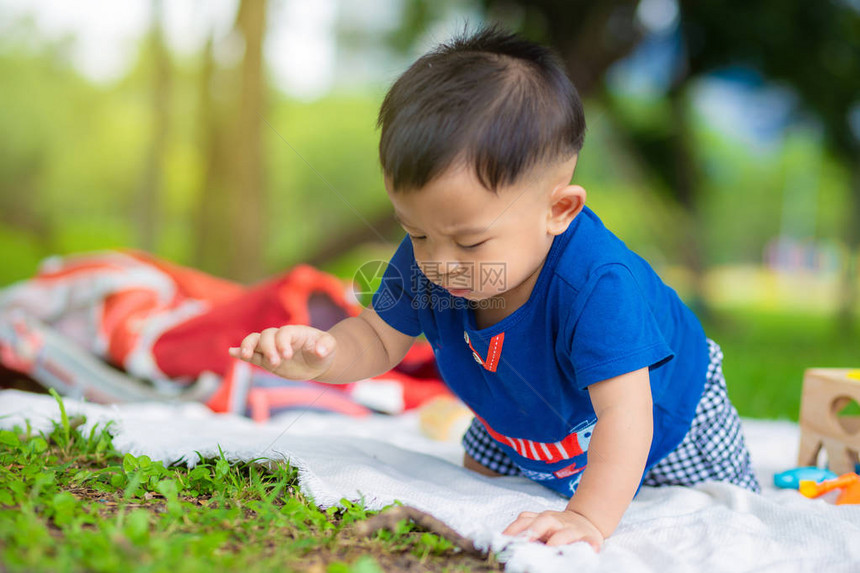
(238, 137)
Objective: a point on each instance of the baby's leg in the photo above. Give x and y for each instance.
(714, 448)
(483, 455)
(471, 463)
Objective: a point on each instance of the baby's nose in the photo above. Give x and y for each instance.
(439, 271)
(459, 277)
(455, 270)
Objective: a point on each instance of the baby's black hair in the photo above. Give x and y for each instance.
(491, 99)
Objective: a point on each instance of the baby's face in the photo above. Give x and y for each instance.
(475, 243)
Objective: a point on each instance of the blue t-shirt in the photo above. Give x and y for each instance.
(597, 310)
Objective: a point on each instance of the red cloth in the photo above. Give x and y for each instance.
(158, 320)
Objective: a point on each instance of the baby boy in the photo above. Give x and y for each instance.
(584, 370)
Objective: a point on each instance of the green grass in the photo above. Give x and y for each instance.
(70, 502)
(766, 353)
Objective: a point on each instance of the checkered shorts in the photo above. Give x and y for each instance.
(713, 448)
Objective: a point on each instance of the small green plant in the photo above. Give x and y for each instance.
(64, 418)
(71, 502)
(430, 544)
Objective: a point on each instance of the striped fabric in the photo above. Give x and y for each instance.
(573, 445)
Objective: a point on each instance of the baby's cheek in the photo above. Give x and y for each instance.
(499, 276)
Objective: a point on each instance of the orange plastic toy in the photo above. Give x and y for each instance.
(848, 483)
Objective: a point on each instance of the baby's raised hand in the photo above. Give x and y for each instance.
(556, 528)
(294, 351)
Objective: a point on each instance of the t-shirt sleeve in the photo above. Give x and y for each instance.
(393, 300)
(613, 330)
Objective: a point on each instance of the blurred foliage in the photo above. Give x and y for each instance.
(766, 353)
(812, 46)
(73, 154)
(324, 176)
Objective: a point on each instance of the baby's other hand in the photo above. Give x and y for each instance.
(294, 351)
(556, 528)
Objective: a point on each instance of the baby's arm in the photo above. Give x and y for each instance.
(616, 460)
(353, 349)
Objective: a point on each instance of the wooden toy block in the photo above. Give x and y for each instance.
(826, 391)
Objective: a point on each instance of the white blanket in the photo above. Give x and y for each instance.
(711, 528)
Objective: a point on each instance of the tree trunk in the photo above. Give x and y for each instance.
(148, 205)
(589, 36)
(230, 221)
(248, 224)
(211, 242)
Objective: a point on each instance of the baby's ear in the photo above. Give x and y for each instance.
(566, 202)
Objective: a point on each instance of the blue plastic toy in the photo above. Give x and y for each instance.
(790, 479)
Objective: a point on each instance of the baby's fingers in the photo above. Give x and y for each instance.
(284, 340)
(268, 347)
(317, 347)
(543, 527)
(324, 344)
(522, 523)
(245, 350)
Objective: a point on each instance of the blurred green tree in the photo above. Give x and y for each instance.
(814, 47)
